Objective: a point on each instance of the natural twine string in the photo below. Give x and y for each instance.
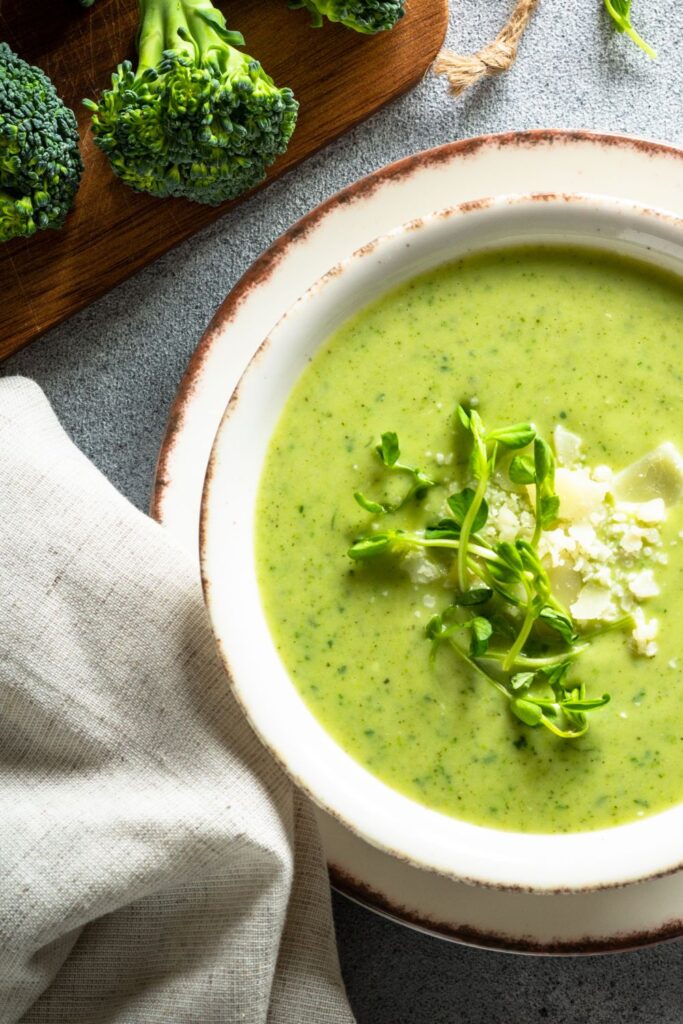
(498, 56)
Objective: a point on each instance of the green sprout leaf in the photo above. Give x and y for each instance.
(459, 505)
(473, 597)
(434, 627)
(481, 634)
(586, 704)
(544, 461)
(388, 450)
(526, 711)
(370, 506)
(549, 509)
(519, 435)
(464, 417)
(446, 529)
(368, 547)
(522, 470)
(522, 680)
(559, 622)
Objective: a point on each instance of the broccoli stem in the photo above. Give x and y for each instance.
(193, 28)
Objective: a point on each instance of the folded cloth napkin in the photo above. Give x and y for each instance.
(155, 865)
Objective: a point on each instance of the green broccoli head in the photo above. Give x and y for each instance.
(40, 163)
(367, 16)
(198, 118)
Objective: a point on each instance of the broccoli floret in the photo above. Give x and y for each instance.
(40, 164)
(368, 16)
(197, 118)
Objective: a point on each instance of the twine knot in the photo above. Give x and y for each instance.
(464, 71)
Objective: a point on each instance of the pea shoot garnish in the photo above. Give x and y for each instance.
(503, 620)
(620, 13)
(389, 452)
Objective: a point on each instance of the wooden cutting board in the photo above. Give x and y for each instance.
(339, 77)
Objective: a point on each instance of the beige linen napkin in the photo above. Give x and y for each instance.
(155, 866)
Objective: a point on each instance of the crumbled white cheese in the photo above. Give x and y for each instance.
(588, 542)
(602, 553)
(421, 569)
(602, 473)
(643, 585)
(594, 603)
(558, 546)
(631, 540)
(644, 634)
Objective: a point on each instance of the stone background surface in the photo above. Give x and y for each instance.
(112, 370)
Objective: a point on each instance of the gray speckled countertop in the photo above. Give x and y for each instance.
(112, 370)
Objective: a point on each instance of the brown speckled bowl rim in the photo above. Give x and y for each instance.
(261, 270)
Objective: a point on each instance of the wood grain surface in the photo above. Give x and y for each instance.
(339, 77)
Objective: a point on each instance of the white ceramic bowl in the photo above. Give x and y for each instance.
(339, 784)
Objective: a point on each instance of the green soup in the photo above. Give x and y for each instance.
(551, 335)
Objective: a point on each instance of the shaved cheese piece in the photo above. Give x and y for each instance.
(594, 602)
(650, 513)
(659, 474)
(579, 495)
(643, 585)
(567, 446)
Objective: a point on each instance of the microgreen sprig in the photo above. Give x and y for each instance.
(389, 452)
(521, 639)
(536, 696)
(485, 449)
(620, 12)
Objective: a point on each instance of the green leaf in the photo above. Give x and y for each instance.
(368, 547)
(434, 627)
(519, 435)
(422, 484)
(459, 505)
(464, 418)
(503, 627)
(586, 703)
(481, 633)
(370, 506)
(530, 559)
(521, 680)
(510, 555)
(550, 510)
(476, 424)
(475, 596)
(555, 675)
(522, 470)
(445, 529)
(544, 461)
(527, 712)
(503, 573)
(562, 624)
(389, 450)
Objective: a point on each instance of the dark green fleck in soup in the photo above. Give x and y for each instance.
(549, 335)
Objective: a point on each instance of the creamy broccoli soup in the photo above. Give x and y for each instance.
(479, 684)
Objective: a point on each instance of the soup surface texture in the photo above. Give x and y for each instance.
(551, 335)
